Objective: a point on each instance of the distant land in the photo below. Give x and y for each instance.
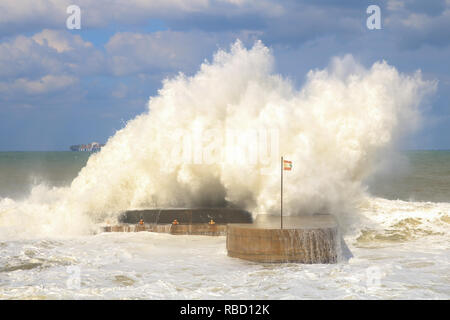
(91, 147)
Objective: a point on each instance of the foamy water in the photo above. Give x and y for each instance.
(400, 250)
(161, 266)
(336, 129)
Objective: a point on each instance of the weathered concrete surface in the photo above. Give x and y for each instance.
(179, 229)
(161, 228)
(187, 216)
(200, 229)
(308, 239)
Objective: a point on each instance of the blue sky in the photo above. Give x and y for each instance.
(60, 87)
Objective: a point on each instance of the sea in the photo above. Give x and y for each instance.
(399, 248)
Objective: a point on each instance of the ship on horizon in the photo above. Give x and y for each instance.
(91, 147)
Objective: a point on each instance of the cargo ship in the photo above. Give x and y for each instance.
(91, 147)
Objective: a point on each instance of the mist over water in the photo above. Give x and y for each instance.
(215, 139)
(334, 129)
(21, 171)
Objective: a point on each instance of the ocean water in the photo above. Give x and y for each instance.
(400, 247)
(20, 171)
(205, 140)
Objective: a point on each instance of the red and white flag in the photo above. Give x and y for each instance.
(287, 165)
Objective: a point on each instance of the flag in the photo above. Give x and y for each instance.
(287, 165)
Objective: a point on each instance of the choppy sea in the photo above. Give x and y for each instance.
(400, 247)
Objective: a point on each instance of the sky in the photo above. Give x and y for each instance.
(60, 87)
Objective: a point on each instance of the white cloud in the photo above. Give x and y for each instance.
(120, 91)
(25, 11)
(26, 15)
(46, 62)
(53, 60)
(60, 41)
(395, 5)
(46, 84)
(131, 53)
(47, 52)
(135, 52)
(414, 27)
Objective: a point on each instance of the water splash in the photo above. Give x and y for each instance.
(332, 129)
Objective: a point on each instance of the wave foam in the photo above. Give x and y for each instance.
(333, 129)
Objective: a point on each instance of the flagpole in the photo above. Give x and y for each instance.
(281, 212)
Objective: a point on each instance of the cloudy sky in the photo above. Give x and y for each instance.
(60, 87)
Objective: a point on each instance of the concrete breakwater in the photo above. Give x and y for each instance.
(176, 229)
(303, 239)
(306, 239)
(198, 221)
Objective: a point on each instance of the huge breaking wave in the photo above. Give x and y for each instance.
(334, 129)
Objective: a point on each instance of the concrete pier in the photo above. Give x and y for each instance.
(161, 228)
(196, 221)
(200, 229)
(176, 229)
(304, 239)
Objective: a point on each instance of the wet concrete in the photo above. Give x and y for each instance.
(187, 216)
(176, 229)
(306, 239)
